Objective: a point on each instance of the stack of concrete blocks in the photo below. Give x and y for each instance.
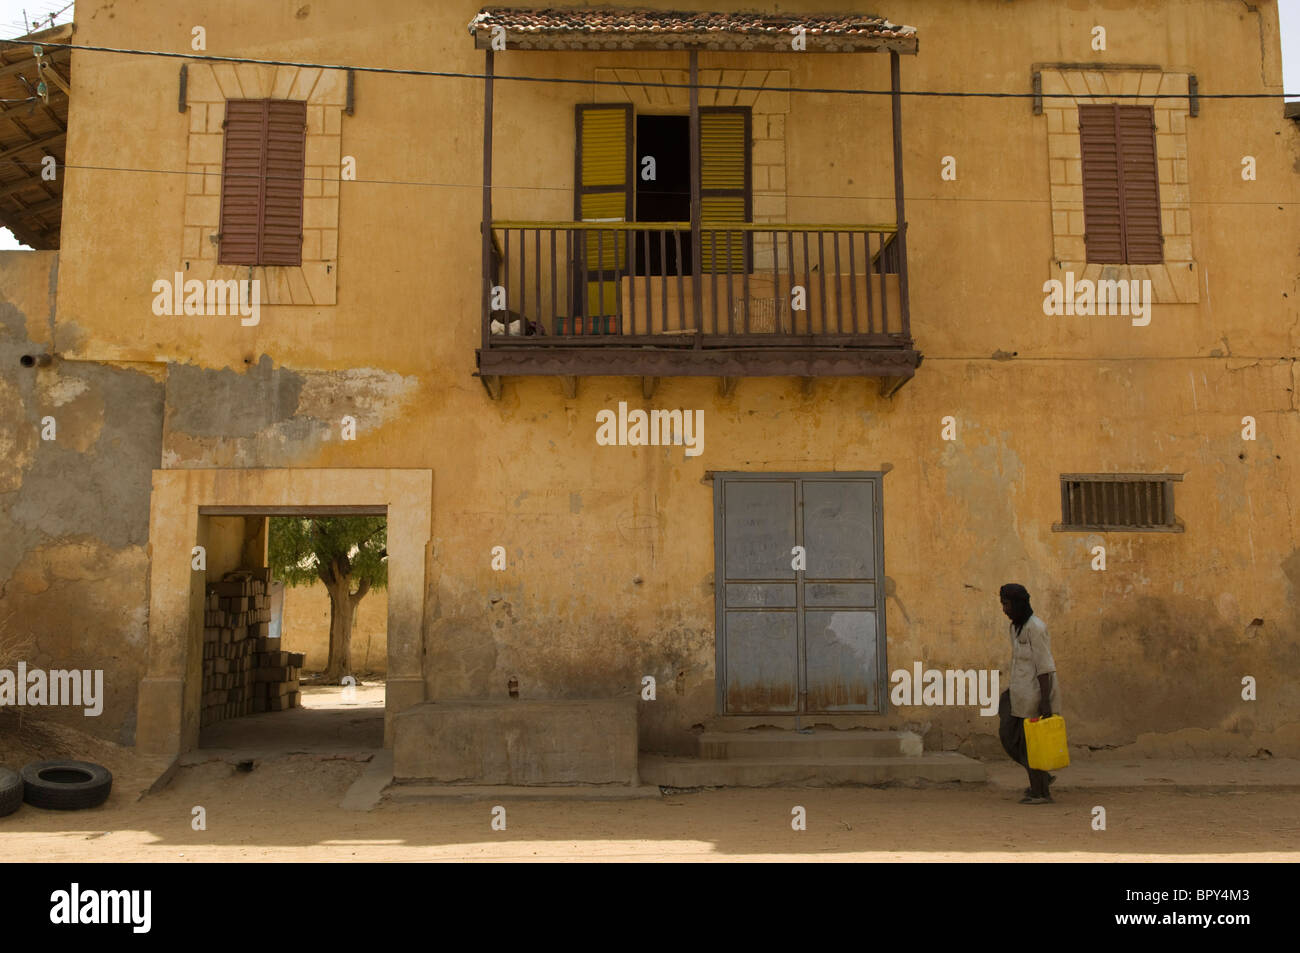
(275, 679)
(244, 671)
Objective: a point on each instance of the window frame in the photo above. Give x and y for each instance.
(1172, 523)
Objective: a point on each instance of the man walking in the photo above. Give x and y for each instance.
(1034, 691)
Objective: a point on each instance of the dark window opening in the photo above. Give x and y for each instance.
(1104, 502)
(665, 198)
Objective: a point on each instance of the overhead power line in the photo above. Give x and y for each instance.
(564, 80)
(496, 187)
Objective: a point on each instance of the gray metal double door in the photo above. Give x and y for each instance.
(793, 639)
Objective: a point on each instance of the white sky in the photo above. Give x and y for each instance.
(13, 11)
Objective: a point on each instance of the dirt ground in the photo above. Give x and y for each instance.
(288, 810)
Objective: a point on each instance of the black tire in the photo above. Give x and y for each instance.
(66, 785)
(11, 792)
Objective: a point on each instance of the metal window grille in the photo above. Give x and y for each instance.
(1118, 501)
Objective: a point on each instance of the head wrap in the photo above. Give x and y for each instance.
(1018, 598)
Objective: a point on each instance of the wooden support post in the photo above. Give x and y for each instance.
(487, 203)
(900, 216)
(697, 251)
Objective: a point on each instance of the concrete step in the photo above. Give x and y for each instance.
(418, 793)
(777, 745)
(758, 772)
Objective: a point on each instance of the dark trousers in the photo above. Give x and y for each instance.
(1012, 732)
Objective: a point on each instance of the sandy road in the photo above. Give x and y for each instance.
(289, 811)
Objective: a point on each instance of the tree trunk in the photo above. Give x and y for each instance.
(342, 613)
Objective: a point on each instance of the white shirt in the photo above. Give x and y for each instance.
(1031, 656)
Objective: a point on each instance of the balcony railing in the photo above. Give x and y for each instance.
(638, 298)
(633, 283)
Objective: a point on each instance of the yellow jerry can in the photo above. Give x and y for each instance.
(1045, 740)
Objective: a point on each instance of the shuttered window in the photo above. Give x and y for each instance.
(724, 186)
(1121, 188)
(604, 194)
(604, 179)
(1118, 501)
(262, 182)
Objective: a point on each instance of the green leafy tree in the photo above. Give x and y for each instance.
(342, 552)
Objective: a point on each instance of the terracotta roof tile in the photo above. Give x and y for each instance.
(591, 23)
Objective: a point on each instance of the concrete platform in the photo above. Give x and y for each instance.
(764, 772)
(263, 754)
(1190, 776)
(407, 793)
(367, 790)
(518, 742)
(774, 743)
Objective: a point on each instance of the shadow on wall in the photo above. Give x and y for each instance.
(305, 627)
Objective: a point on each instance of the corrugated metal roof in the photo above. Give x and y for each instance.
(617, 28)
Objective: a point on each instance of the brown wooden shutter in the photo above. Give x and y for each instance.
(1121, 192)
(262, 182)
(241, 182)
(286, 149)
(1135, 129)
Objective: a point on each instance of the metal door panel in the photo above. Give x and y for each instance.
(762, 661)
(839, 529)
(848, 595)
(759, 529)
(773, 595)
(841, 660)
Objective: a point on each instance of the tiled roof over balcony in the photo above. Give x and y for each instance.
(601, 28)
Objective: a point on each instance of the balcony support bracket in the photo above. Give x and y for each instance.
(492, 384)
(569, 383)
(648, 386)
(727, 386)
(889, 385)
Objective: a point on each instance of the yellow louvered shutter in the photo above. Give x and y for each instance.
(603, 192)
(724, 185)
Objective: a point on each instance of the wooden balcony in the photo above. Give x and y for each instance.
(570, 299)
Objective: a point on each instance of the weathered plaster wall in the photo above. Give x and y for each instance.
(74, 510)
(225, 548)
(1156, 644)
